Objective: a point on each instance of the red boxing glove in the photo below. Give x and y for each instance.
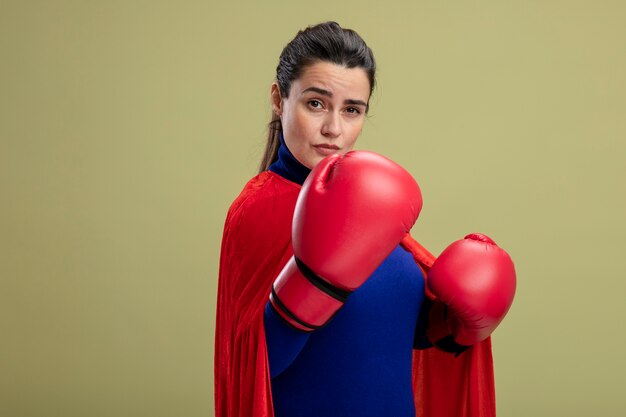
(352, 211)
(474, 282)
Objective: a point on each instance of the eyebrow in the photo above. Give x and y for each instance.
(329, 94)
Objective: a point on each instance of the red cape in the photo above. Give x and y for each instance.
(255, 246)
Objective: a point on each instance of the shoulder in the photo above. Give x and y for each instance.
(266, 193)
(263, 210)
(263, 190)
(257, 232)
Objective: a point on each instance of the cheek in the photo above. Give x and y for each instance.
(305, 123)
(355, 131)
(300, 131)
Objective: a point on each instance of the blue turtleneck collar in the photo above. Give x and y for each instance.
(287, 166)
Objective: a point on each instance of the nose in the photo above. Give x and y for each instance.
(331, 127)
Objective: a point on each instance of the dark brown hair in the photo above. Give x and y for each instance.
(325, 42)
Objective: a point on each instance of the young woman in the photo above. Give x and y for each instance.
(339, 321)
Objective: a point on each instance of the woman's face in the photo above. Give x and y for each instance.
(325, 111)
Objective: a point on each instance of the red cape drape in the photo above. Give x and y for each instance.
(255, 246)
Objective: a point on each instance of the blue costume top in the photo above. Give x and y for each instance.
(360, 363)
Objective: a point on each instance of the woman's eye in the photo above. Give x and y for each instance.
(316, 104)
(353, 110)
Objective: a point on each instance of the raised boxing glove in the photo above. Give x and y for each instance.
(474, 282)
(352, 211)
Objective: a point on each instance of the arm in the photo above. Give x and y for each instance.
(351, 213)
(284, 343)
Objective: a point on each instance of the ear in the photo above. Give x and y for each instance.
(277, 100)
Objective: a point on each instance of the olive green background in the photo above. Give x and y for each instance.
(128, 127)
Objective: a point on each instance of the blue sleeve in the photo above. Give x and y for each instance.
(420, 340)
(284, 343)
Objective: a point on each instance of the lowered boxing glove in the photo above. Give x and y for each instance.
(352, 211)
(474, 282)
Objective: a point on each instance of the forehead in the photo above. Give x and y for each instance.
(346, 82)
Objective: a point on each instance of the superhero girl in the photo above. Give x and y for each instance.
(326, 306)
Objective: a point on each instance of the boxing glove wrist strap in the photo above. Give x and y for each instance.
(324, 286)
(447, 344)
(309, 301)
(439, 332)
(281, 309)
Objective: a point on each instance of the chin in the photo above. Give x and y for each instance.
(312, 163)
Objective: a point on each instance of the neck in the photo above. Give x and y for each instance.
(287, 166)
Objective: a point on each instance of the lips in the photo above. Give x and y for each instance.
(326, 148)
